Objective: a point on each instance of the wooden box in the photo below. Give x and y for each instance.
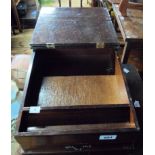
(78, 112)
(75, 99)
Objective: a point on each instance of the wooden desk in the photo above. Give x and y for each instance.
(131, 28)
(78, 84)
(73, 27)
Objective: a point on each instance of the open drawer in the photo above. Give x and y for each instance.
(76, 100)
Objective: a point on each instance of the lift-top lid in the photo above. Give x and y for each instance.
(73, 27)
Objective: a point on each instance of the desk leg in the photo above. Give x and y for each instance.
(126, 52)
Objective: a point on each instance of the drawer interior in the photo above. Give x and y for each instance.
(74, 117)
(85, 81)
(76, 91)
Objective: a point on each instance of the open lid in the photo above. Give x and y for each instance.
(73, 27)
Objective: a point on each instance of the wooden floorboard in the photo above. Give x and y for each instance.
(20, 42)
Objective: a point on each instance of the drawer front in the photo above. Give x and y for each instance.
(81, 142)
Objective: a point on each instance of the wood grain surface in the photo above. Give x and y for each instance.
(63, 129)
(83, 90)
(63, 26)
(130, 26)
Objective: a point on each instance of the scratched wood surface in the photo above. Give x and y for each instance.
(83, 90)
(130, 26)
(73, 26)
